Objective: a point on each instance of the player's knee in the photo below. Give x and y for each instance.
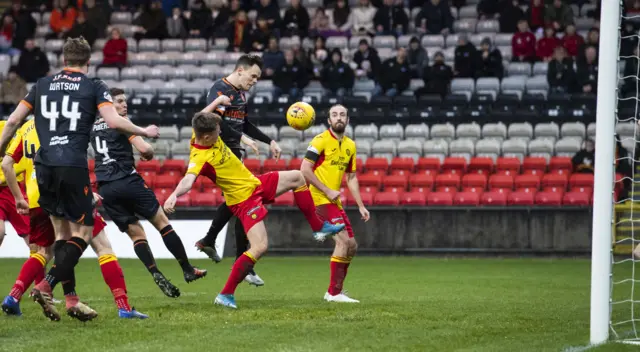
(136, 232)
(297, 179)
(160, 220)
(352, 247)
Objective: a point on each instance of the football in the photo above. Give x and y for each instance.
(301, 116)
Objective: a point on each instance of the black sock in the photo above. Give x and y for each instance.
(69, 285)
(66, 259)
(222, 217)
(242, 243)
(58, 245)
(175, 246)
(141, 247)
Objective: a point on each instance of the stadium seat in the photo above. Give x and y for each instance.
(387, 198)
(508, 166)
(376, 166)
(414, 198)
(548, 198)
(203, 199)
(172, 166)
(149, 179)
(555, 182)
(466, 198)
(454, 165)
(493, 198)
(401, 166)
(429, 166)
(421, 182)
(474, 182)
(184, 200)
(576, 199)
(285, 199)
(274, 165)
(440, 198)
(581, 180)
(527, 183)
(560, 165)
(500, 182)
(521, 198)
(395, 183)
(480, 165)
(162, 194)
(295, 163)
(370, 180)
(367, 198)
(167, 181)
(447, 182)
(253, 165)
(534, 165)
(150, 165)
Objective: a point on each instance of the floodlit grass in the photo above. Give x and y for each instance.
(408, 304)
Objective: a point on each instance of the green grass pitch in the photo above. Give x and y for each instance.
(407, 304)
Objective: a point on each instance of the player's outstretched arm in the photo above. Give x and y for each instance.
(217, 102)
(13, 123)
(354, 188)
(12, 181)
(184, 186)
(307, 171)
(113, 120)
(143, 147)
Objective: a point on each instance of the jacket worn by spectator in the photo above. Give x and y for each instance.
(417, 58)
(115, 52)
(584, 161)
(370, 55)
(98, 15)
(83, 28)
(560, 75)
(25, 24)
(336, 74)
(572, 42)
(199, 22)
(546, 45)
(562, 15)
(296, 20)
(394, 74)
(466, 60)
(13, 90)
(434, 17)
(390, 18)
(510, 14)
(437, 78)
(588, 76)
(33, 63)
(290, 76)
(490, 63)
(362, 16)
(62, 19)
(523, 45)
(272, 60)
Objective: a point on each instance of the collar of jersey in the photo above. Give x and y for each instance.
(198, 146)
(229, 83)
(70, 69)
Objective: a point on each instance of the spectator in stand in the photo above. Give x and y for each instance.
(510, 14)
(342, 21)
(535, 15)
(592, 41)
(363, 18)
(98, 16)
(176, 24)
(523, 44)
(270, 11)
(466, 57)
(560, 74)
(322, 27)
(296, 20)
(631, 67)
(417, 58)
(558, 15)
(394, 76)
(628, 39)
(337, 77)
(14, 89)
(151, 22)
(487, 9)
(437, 78)
(490, 60)
(390, 19)
(260, 36)
(199, 19)
(584, 161)
(434, 18)
(273, 58)
(588, 71)
(572, 41)
(366, 60)
(290, 78)
(240, 39)
(83, 28)
(62, 19)
(33, 63)
(6, 37)
(319, 57)
(546, 45)
(114, 52)
(222, 16)
(25, 24)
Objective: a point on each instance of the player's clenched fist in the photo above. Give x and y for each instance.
(152, 131)
(223, 100)
(22, 206)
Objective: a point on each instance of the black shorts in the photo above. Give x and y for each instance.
(124, 198)
(65, 192)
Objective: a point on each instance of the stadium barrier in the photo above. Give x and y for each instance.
(491, 230)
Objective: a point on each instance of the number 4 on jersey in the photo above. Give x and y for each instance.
(70, 110)
(102, 148)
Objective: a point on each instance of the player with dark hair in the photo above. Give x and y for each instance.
(65, 106)
(125, 194)
(245, 194)
(226, 97)
(330, 155)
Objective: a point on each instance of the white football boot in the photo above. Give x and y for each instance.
(340, 297)
(254, 279)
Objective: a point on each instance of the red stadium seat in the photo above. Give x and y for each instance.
(286, 199)
(295, 164)
(376, 166)
(587, 190)
(466, 198)
(454, 165)
(508, 166)
(555, 182)
(253, 165)
(501, 182)
(520, 198)
(579, 180)
(421, 182)
(173, 166)
(447, 182)
(560, 165)
(414, 198)
(493, 198)
(370, 180)
(480, 165)
(203, 199)
(184, 200)
(359, 165)
(273, 165)
(474, 181)
(387, 198)
(162, 194)
(440, 198)
(527, 181)
(534, 166)
(150, 165)
(549, 198)
(367, 198)
(167, 181)
(149, 179)
(395, 183)
(576, 199)
(91, 163)
(429, 166)
(402, 166)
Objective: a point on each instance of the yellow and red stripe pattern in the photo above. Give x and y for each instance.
(107, 258)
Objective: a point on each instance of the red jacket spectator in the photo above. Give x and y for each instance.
(572, 41)
(535, 14)
(546, 45)
(115, 50)
(63, 17)
(523, 43)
